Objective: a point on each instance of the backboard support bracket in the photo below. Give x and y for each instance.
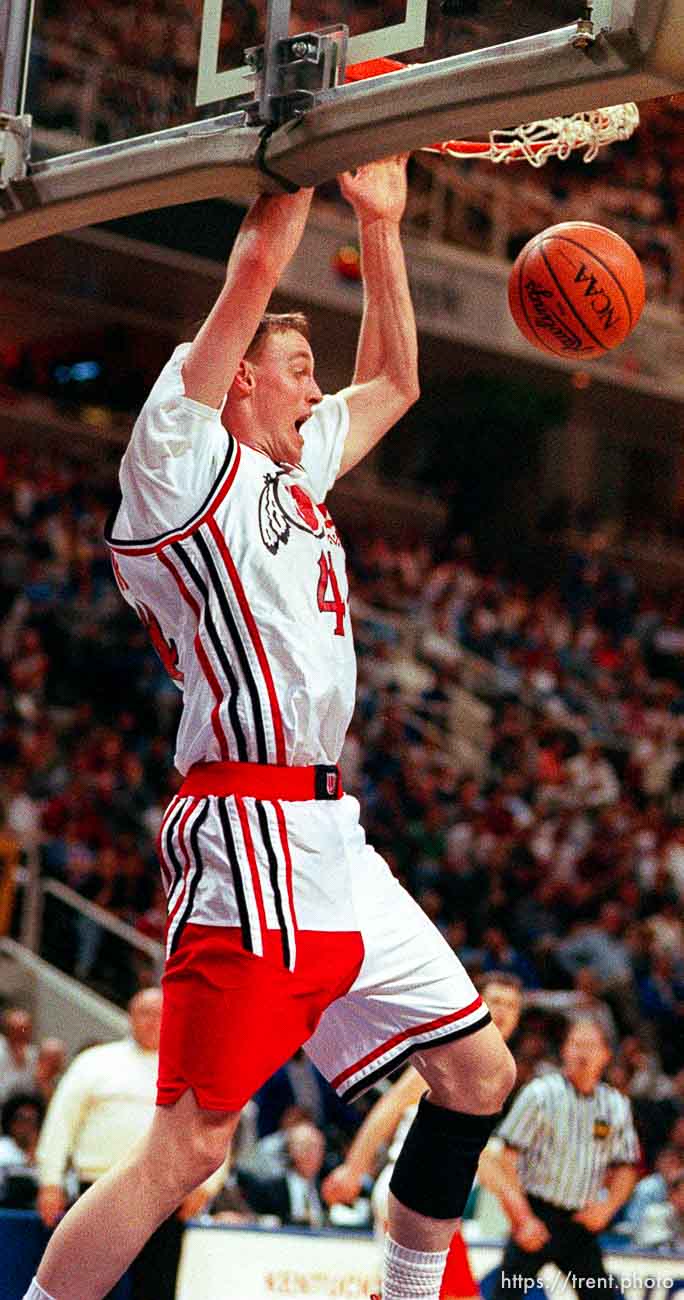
(597, 18)
(637, 56)
(15, 147)
(297, 68)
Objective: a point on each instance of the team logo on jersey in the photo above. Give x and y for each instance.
(601, 1129)
(283, 507)
(166, 649)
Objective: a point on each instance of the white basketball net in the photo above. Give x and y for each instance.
(554, 137)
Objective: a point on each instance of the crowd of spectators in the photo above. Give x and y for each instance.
(557, 856)
(562, 859)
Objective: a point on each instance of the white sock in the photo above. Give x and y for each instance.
(412, 1274)
(36, 1292)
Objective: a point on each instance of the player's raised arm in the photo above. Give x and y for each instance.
(385, 379)
(267, 240)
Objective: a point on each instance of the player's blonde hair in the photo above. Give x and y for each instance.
(277, 323)
(271, 323)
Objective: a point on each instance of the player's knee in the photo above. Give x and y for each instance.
(437, 1163)
(208, 1146)
(492, 1086)
(190, 1153)
(478, 1079)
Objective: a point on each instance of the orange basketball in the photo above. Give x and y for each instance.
(576, 290)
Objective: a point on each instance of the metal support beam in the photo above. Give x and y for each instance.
(640, 57)
(277, 31)
(15, 56)
(210, 159)
(472, 94)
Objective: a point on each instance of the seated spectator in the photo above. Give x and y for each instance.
(599, 946)
(20, 1121)
(662, 1222)
(500, 955)
(268, 1157)
(651, 1190)
(661, 997)
(18, 1054)
(592, 778)
(300, 1084)
(293, 1195)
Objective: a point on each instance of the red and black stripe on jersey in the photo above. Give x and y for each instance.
(219, 489)
(227, 690)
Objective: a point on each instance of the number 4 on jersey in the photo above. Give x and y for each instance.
(333, 604)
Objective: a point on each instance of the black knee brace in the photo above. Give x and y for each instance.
(438, 1161)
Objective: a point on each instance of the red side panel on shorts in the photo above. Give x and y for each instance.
(231, 1018)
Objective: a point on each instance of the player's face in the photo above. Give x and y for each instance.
(286, 392)
(504, 1005)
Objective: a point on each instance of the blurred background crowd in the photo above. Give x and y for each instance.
(517, 748)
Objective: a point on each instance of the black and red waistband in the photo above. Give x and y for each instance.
(263, 781)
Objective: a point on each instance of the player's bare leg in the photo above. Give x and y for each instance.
(469, 1081)
(96, 1241)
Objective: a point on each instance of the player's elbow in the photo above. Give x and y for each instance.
(255, 257)
(412, 392)
(407, 388)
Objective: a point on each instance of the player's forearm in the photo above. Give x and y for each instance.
(388, 342)
(619, 1184)
(266, 242)
(369, 347)
(271, 231)
(499, 1174)
(380, 1124)
(213, 1184)
(375, 1132)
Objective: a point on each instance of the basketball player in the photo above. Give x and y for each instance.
(284, 926)
(388, 1122)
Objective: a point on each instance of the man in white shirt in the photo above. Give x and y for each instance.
(103, 1104)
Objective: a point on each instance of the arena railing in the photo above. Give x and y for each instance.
(443, 197)
(51, 917)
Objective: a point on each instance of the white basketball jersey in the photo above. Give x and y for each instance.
(235, 566)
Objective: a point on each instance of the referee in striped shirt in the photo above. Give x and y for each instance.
(566, 1166)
